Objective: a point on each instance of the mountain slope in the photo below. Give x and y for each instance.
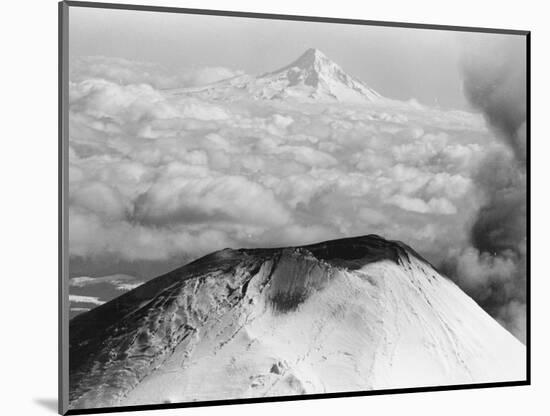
(344, 315)
(311, 77)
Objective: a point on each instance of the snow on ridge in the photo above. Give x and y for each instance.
(311, 77)
(298, 320)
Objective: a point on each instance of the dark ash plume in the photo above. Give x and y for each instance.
(495, 83)
(493, 268)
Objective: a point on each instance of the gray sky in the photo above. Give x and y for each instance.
(399, 63)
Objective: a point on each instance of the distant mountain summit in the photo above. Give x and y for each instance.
(353, 314)
(312, 76)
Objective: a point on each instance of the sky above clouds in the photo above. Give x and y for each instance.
(399, 63)
(157, 180)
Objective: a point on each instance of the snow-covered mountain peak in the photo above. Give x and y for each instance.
(343, 315)
(311, 77)
(311, 59)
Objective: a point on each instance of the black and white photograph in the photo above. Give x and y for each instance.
(260, 207)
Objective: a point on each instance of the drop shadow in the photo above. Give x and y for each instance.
(48, 404)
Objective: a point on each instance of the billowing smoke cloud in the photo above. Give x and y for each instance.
(495, 82)
(493, 268)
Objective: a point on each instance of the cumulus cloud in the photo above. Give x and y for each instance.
(121, 282)
(115, 108)
(161, 178)
(86, 292)
(512, 315)
(125, 72)
(175, 198)
(92, 235)
(157, 178)
(433, 206)
(85, 299)
(483, 272)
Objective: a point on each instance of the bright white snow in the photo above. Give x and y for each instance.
(381, 327)
(385, 325)
(311, 77)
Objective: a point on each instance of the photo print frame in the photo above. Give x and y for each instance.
(258, 207)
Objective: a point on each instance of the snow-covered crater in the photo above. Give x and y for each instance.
(345, 315)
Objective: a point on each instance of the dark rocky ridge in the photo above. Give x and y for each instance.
(350, 253)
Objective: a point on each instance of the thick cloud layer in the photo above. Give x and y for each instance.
(125, 72)
(158, 179)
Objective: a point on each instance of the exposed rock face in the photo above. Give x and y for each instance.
(344, 315)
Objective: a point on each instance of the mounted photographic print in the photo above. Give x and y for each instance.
(265, 207)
